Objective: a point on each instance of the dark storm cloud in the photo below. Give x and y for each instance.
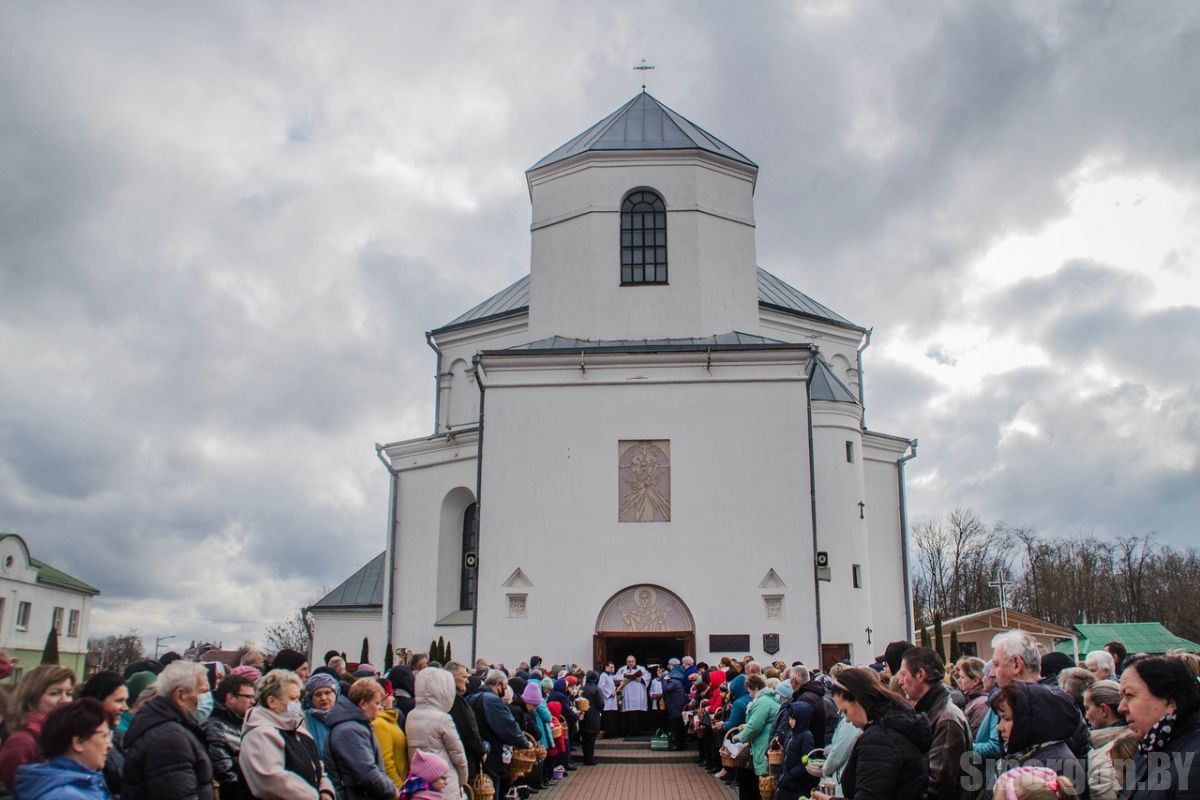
(225, 231)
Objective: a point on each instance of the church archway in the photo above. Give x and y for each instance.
(647, 621)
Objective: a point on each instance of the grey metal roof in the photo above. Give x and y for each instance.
(362, 589)
(733, 339)
(507, 301)
(824, 385)
(775, 293)
(772, 292)
(643, 124)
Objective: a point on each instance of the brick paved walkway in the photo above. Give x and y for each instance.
(639, 782)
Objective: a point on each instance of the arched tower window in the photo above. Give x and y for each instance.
(643, 238)
(470, 543)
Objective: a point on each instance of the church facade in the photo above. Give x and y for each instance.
(649, 444)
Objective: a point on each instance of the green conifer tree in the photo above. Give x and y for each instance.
(365, 657)
(50, 651)
(939, 645)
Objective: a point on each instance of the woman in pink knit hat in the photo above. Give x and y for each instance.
(426, 778)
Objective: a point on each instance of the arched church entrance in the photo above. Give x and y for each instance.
(646, 621)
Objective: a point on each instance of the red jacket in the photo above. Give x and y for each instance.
(24, 746)
(715, 678)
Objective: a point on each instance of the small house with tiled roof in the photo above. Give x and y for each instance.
(649, 444)
(35, 597)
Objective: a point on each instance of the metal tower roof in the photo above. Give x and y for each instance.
(643, 124)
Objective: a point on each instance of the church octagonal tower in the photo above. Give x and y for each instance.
(643, 228)
(649, 444)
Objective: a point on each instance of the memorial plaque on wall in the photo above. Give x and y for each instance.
(771, 643)
(729, 642)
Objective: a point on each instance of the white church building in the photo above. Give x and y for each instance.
(649, 444)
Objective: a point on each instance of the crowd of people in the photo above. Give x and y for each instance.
(1022, 726)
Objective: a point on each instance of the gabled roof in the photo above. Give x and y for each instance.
(1138, 637)
(772, 293)
(733, 339)
(51, 576)
(56, 577)
(824, 385)
(643, 124)
(363, 589)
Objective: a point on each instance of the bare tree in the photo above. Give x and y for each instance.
(115, 652)
(293, 633)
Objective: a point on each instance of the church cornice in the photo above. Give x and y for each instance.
(705, 365)
(642, 160)
(616, 209)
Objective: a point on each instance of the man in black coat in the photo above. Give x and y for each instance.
(497, 727)
(166, 755)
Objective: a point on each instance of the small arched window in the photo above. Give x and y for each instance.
(643, 238)
(470, 543)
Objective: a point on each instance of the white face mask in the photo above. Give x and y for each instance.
(295, 710)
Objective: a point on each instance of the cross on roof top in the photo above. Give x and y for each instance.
(642, 67)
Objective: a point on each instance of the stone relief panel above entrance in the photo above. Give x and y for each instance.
(644, 480)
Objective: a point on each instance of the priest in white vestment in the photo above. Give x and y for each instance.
(634, 681)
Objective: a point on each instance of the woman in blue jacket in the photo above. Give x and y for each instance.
(75, 740)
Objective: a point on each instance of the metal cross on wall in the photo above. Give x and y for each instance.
(869, 632)
(1002, 585)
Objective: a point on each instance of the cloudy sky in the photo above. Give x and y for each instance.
(224, 228)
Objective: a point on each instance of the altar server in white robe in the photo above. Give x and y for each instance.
(608, 690)
(634, 697)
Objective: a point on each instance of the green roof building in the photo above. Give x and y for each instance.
(1151, 638)
(34, 597)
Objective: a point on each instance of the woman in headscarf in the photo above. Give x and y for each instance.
(1036, 723)
(430, 728)
(321, 692)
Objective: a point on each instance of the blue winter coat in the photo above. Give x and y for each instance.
(59, 778)
(541, 719)
(741, 700)
(352, 754)
(675, 696)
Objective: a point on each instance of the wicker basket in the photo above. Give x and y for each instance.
(743, 758)
(775, 754)
(482, 787)
(523, 759)
(556, 729)
(767, 784)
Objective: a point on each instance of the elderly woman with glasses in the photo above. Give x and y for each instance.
(279, 758)
(75, 740)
